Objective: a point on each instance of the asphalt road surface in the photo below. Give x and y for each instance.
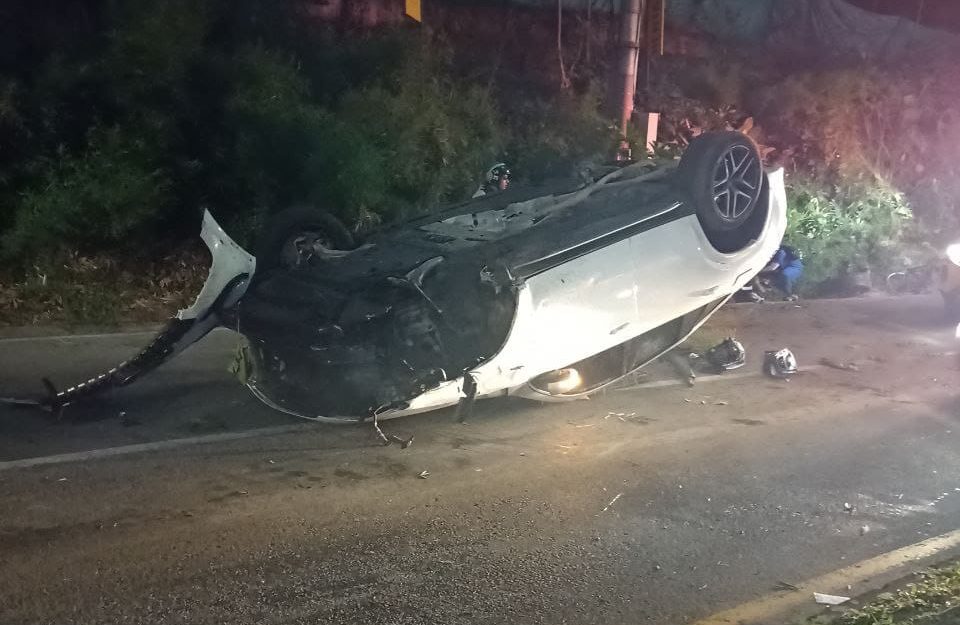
(651, 503)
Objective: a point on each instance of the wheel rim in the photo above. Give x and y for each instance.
(301, 246)
(736, 182)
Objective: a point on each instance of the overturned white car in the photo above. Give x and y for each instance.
(548, 294)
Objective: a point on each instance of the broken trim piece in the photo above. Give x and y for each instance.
(465, 407)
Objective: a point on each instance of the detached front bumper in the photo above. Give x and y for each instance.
(226, 283)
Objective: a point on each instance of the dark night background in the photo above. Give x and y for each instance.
(121, 121)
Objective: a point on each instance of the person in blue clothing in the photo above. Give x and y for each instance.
(783, 271)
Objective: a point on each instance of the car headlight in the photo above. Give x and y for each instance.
(953, 253)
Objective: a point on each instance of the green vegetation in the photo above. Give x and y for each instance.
(876, 146)
(845, 229)
(121, 121)
(873, 175)
(934, 599)
(898, 124)
(125, 132)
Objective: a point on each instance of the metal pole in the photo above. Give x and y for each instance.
(630, 47)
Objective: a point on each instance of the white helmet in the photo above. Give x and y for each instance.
(779, 364)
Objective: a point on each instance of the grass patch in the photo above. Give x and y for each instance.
(100, 290)
(933, 599)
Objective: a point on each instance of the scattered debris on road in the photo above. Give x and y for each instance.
(824, 599)
(612, 501)
(682, 366)
(780, 585)
(423, 475)
(387, 439)
(864, 530)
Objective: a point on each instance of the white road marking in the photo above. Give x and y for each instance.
(68, 337)
(864, 576)
(110, 452)
(612, 501)
(108, 335)
(123, 450)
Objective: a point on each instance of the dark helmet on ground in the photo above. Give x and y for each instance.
(727, 355)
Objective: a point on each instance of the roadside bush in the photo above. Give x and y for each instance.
(97, 132)
(270, 128)
(826, 117)
(845, 229)
(110, 191)
(409, 141)
(717, 81)
(122, 128)
(895, 123)
(552, 135)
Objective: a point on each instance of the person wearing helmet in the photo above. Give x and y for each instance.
(497, 179)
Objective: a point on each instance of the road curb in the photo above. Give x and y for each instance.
(867, 576)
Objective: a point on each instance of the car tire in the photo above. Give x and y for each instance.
(723, 177)
(284, 227)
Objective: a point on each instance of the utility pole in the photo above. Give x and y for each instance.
(631, 12)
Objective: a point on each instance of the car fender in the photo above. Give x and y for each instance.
(230, 261)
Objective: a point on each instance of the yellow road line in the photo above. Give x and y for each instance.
(891, 565)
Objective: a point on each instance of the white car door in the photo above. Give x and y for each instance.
(582, 307)
(677, 271)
